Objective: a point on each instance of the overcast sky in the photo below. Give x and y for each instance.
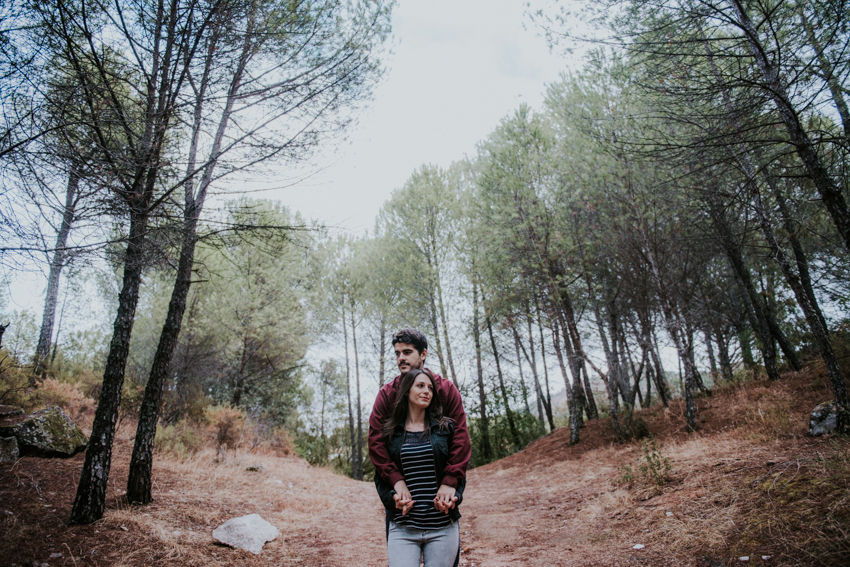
(455, 69)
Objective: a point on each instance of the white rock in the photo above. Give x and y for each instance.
(249, 532)
(766, 557)
(744, 559)
(638, 546)
(668, 514)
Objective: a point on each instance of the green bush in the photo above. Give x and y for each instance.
(652, 467)
(14, 382)
(180, 440)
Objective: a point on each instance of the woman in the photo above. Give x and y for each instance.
(418, 438)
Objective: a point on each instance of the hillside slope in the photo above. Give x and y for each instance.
(750, 483)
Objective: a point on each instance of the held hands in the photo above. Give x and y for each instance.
(403, 500)
(445, 499)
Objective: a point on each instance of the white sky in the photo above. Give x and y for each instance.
(456, 69)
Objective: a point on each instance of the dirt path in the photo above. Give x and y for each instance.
(508, 519)
(749, 484)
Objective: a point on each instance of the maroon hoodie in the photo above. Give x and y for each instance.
(461, 449)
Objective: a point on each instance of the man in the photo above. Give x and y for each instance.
(411, 349)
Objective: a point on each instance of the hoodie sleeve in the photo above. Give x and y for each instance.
(461, 449)
(384, 466)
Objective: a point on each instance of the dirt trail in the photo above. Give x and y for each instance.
(749, 484)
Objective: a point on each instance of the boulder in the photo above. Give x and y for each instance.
(10, 411)
(8, 450)
(249, 532)
(824, 419)
(46, 433)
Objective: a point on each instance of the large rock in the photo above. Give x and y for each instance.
(46, 433)
(8, 450)
(824, 419)
(249, 532)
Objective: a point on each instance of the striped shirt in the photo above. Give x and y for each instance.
(417, 464)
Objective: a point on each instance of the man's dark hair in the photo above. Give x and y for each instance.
(411, 337)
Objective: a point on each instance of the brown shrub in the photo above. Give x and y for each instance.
(228, 425)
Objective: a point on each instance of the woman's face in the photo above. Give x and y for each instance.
(421, 392)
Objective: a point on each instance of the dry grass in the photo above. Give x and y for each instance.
(191, 498)
(714, 508)
(750, 482)
(77, 405)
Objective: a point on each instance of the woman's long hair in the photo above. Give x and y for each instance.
(398, 415)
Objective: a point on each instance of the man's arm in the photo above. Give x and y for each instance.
(461, 450)
(384, 465)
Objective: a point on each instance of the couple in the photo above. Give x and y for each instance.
(419, 444)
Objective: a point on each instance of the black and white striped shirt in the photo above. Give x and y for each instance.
(417, 463)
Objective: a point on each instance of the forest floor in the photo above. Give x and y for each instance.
(749, 484)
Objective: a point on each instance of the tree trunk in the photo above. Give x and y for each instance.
(757, 313)
(647, 340)
(723, 355)
(712, 362)
(689, 333)
(828, 75)
(141, 463)
(545, 371)
(683, 350)
(60, 255)
(239, 382)
(805, 299)
(359, 445)
(382, 358)
(90, 500)
(351, 429)
(575, 351)
(572, 404)
(434, 264)
(613, 404)
(618, 372)
(592, 410)
(541, 413)
(58, 330)
(445, 326)
(508, 412)
(531, 356)
(486, 448)
(521, 375)
(436, 336)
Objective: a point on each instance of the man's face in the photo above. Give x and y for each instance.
(408, 358)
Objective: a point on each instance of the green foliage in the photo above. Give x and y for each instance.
(21, 336)
(180, 440)
(627, 475)
(634, 426)
(14, 382)
(652, 467)
(245, 329)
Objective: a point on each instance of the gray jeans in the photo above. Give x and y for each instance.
(406, 545)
